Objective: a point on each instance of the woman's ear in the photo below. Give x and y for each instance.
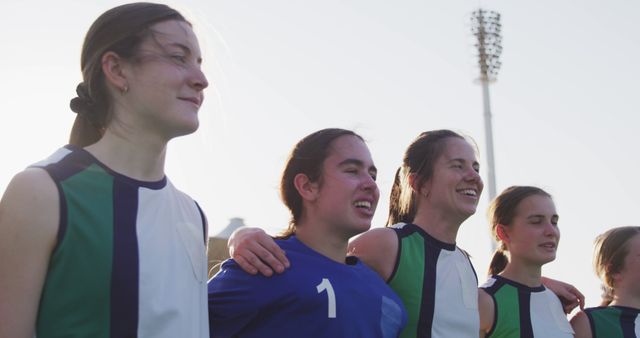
(421, 188)
(308, 190)
(112, 68)
(502, 233)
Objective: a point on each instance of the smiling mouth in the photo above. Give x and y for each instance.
(191, 99)
(469, 192)
(548, 245)
(363, 205)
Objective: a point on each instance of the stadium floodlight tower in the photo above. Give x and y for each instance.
(485, 25)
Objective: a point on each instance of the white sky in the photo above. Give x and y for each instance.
(565, 106)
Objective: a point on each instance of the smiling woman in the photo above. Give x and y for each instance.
(114, 249)
(329, 186)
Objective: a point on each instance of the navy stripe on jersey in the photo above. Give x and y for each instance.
(432, 249)
(204, 224)
(124, 297)
(59, 174)
(470, 264)
(427, 308)
(524, 301)
(627, 322)
(492, 291)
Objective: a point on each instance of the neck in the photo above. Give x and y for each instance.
(529, 275)
(327, 243)
(131, 156)
(623, 297)
(438, 225)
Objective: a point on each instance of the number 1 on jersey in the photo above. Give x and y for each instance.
(331, 296)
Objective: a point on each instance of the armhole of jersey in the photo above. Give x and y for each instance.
(495, 315)
(205, 225)
(592, 324)
(470, 263)
(397, 261)
(62, 210)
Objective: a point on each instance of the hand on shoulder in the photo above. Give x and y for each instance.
(255, 251)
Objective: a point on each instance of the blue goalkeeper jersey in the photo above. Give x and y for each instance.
(315, 297)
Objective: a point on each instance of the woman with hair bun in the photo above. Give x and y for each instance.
(95, 240)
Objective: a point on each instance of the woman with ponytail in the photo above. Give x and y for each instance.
(328, 185)
(514, 302)
(617, 263)
(95, 240)
(435, 190)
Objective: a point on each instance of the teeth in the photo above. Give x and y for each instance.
(469, 192)
(363, 204)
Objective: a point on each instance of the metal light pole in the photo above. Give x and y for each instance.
(486, 26)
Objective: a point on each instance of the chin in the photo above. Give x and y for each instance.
(186, 128)
(360, 228)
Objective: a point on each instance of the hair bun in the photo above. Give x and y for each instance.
(83, 103)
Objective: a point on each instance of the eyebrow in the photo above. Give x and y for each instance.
(184, 48)
(461, 160)
(542, 216)
(359, 163)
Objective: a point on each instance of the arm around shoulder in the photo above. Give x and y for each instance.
(255, 251)
(377, 248)
(569, 295)
(29, 221)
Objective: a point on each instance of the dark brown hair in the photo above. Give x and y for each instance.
(502, 211)
(120, 30)
(307, 157)
(610, 250)
(419, 158)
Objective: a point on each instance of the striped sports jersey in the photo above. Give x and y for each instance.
(525, 312)
(438, 285)
(315, 297)
(614, 321)
(130, 258)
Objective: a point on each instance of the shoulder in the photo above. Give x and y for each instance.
(377, 248)
(378, 236)
(580, 324)
(29, 190)
(233, 280)
(486, 307)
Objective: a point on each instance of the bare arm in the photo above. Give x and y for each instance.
(29, 218)
(377, 248)
(569, 295)
(486, 307)
(255, 251)
(581, 327)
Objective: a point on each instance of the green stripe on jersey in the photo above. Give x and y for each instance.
(410, 276)
(508, 312)
(87, 245)
(608, 322)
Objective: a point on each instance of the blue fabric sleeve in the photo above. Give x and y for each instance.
(235, 298)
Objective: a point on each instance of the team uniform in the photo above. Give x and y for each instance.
(525, 312)
(315, 297)
(130, 258)
(614, 321)
(438, 285)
